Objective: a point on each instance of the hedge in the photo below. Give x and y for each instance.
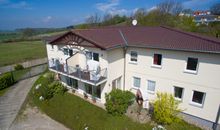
(6, 80)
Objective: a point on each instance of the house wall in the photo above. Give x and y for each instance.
(172, 74)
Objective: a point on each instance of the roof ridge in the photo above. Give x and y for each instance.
(192, 35)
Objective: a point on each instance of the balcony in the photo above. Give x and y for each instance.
(93, 77)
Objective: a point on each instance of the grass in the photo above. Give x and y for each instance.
(15, 52)
(75, 113)
(3, 91)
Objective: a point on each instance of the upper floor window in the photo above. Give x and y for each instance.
(157, 59)
(92, 55)
(134, 56)
(198, 98)
(151, 86)
(136, 82)
(96, 56)
(192, 64)
(178, 93)
(65, 51)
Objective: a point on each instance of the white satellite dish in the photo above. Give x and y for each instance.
(134, 22)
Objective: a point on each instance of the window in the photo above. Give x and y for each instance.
(96, 56)
(88, 89)
(74, 83)
(134, 56)
(116, 84)
(65, 51)
(136, 82)
(198, 98)
(52, 47)
(97, 91)
(192, 64)
(92, 56)
(178, 93)
(157, 59)
(151, 86)
(70, 52)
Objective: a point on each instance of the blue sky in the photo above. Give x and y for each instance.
(60, 13)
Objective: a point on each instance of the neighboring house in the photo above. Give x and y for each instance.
(205, 17)
(155, 59)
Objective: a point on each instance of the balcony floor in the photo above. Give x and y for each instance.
(84, 75)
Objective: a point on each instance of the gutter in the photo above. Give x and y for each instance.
(125, 51)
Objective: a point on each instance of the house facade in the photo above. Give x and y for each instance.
(153, 59)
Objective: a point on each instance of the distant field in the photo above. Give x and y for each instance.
(15, 52)
(7, 36)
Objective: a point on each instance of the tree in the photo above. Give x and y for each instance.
(170, 7)
(166, 109)
(215, 9)
(27, 32)
(93, 19)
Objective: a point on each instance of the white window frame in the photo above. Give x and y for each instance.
(133, 62)
(133, 82)
(117, 82)
(195, 103)
(191, 71)
(157, 66)
(149, 91)
(179, 99)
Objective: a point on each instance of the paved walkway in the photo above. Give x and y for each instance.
(33, 119)
(11, 102)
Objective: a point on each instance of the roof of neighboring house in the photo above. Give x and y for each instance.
(150, 37)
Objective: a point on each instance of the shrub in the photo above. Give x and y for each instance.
(57, 88)
(117, 101)
(18, 67)
(6, 80)
(165, 109)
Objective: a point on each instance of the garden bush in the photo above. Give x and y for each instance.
(48, 87)
(18, 67)
(166, 109)
(57, 88)
(117, 101)
(6, 80)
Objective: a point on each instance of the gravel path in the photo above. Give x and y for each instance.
(33, 119)
(12, 100)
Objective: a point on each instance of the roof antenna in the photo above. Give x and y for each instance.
(134, 22)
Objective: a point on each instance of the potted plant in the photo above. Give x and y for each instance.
(85, 95)
(73, 90)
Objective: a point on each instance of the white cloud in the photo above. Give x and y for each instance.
(15, 5)
(20, 5)
(152, 8)
(110, 5)
(47, 19)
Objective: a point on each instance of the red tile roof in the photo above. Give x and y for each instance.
(150, 37)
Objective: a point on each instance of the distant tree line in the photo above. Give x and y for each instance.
(166, 13)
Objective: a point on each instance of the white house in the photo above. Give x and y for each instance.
(155, 59)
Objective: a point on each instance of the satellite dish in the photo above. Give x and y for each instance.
(134, 22)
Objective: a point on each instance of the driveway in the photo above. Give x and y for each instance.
(12, 100)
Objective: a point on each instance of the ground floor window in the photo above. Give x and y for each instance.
(74, 83)
(151, 86)
(178, 92)
(198, 97)
(88, 89)
(93, 90)
(116, 84)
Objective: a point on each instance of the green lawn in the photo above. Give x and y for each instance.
(15, 52)
(75, 113)
(3, 91)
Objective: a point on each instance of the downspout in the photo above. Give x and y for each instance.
(215, 125)
(125, 46)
